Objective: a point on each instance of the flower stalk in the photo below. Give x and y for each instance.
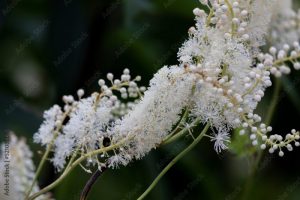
(174, 161)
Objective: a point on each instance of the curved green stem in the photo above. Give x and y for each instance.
(174, 161)
(180, 133)
(210, 15)
(47, 152)
(72, 165)
(39, 169)
(183, 119)
(232, 15)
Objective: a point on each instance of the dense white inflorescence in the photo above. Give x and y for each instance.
(83, 124)
(221, 77)
(17, 170)
(51, 117)
(153, 118)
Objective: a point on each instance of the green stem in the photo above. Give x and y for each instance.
(180, 133)
(182, 120)
(41, 164)
(47, 152)
(232, 15)
(210, 15)
(174, 161)
(38, 171)
(71, 166)
(270, 113)
(73, 157)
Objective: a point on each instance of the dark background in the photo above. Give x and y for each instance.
(52, 48)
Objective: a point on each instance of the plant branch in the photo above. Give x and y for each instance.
(174, 161)
(46, 154)
(180, 133)
(182, 120)
(87, 188)
(71, 166)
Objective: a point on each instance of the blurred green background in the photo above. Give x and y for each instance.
(52, 48)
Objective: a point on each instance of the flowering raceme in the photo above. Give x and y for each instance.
(21, 169)
(221, 77)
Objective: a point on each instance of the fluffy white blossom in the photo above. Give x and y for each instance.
(221, 139)
(46, 130)
(221, 77)
(153, 117)
(17, 170)
(85, 129)
(83, 124)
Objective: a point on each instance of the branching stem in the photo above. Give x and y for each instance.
(46, 154)
(87, 188)
(174, 161)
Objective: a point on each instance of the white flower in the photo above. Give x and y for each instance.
(153, 117)
(46, 130)
(18, 167)
(221, 139)
(221, 77)
(86, 127)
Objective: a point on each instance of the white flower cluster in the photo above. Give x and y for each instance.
(82, 124)
(285, 24)
(17, 170)
(222, 76)
(152, 119)
(223, 50)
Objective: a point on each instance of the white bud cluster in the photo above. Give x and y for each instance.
(275, 142)
(277, 61)
(127, 87)
(231, 18)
